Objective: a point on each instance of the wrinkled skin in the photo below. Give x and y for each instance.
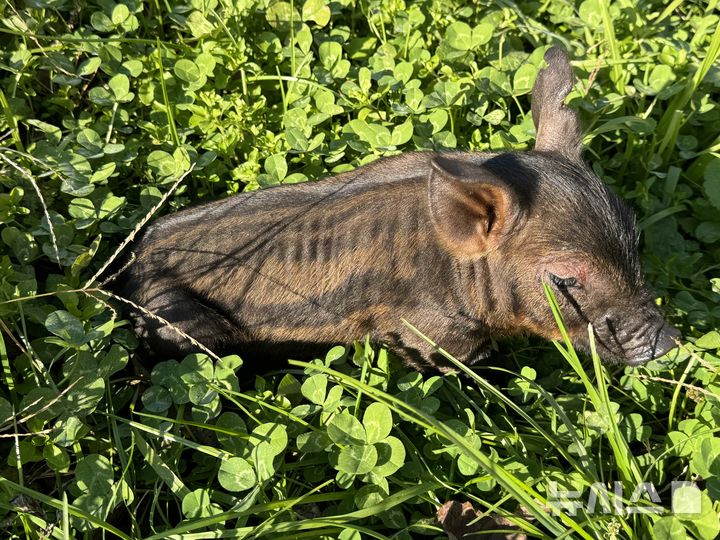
(459, 244)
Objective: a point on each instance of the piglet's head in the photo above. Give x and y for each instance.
(544, 217)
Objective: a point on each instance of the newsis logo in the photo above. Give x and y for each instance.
(644, 499)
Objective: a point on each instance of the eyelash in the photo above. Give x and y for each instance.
(564, 283)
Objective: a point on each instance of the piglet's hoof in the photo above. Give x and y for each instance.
(459, 521)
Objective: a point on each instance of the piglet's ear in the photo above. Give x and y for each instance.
(471, 208)
(558, 127)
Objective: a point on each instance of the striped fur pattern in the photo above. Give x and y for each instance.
(290, 270)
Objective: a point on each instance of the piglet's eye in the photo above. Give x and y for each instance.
(564, 283)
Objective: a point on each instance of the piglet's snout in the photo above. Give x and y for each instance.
(661, 341)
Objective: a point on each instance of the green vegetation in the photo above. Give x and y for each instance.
(110, 109)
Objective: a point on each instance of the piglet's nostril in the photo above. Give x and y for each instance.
(610, 322)
(665, 340)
